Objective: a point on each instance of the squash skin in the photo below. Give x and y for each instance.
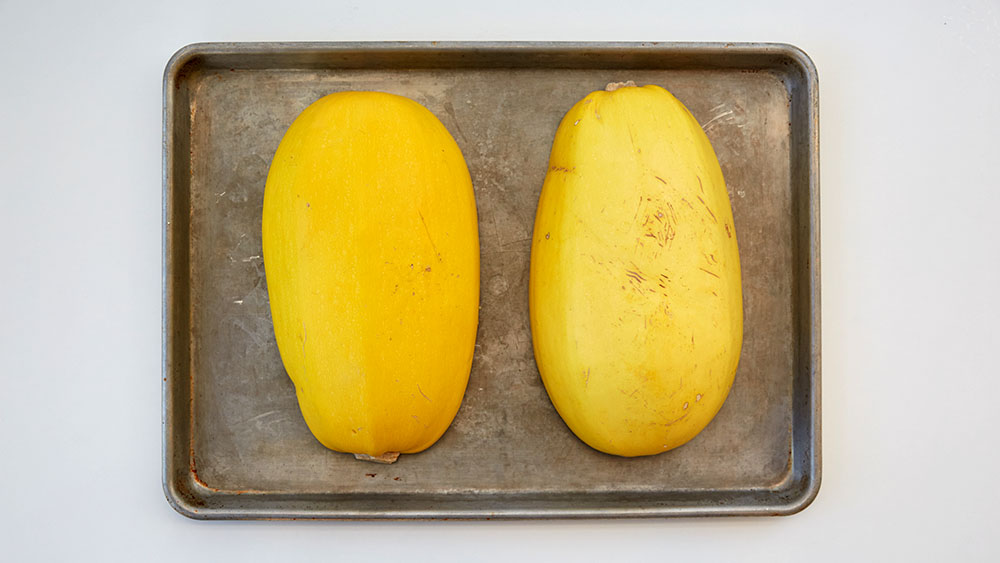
(371, 251)
(635, 290)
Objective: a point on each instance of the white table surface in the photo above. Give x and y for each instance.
(911, 271)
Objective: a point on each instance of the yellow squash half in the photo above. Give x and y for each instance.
(371, 250)
(636, 303)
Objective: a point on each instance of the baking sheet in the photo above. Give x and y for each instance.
(235, 444)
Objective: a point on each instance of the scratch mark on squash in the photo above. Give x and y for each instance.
(709, 272)
(631, 137)
(635, 275)
(424, 394)
(429, 238)
(676, 420)
(707, 208)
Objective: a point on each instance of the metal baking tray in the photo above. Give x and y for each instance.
(234, 442)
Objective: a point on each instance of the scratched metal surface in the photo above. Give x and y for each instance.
(235, 444)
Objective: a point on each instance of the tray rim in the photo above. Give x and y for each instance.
(195, 499)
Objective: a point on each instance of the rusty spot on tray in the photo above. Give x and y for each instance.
(194, 474)
(370, 474)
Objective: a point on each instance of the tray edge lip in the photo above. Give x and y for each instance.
(805, 65)
(799, 58)
(169, 486)
(191, 51)
(814, 477)
(816, 281)
(171, 76)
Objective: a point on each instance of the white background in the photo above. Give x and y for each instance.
(911, 270)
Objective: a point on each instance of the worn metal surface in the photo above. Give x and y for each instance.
(235, 444)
